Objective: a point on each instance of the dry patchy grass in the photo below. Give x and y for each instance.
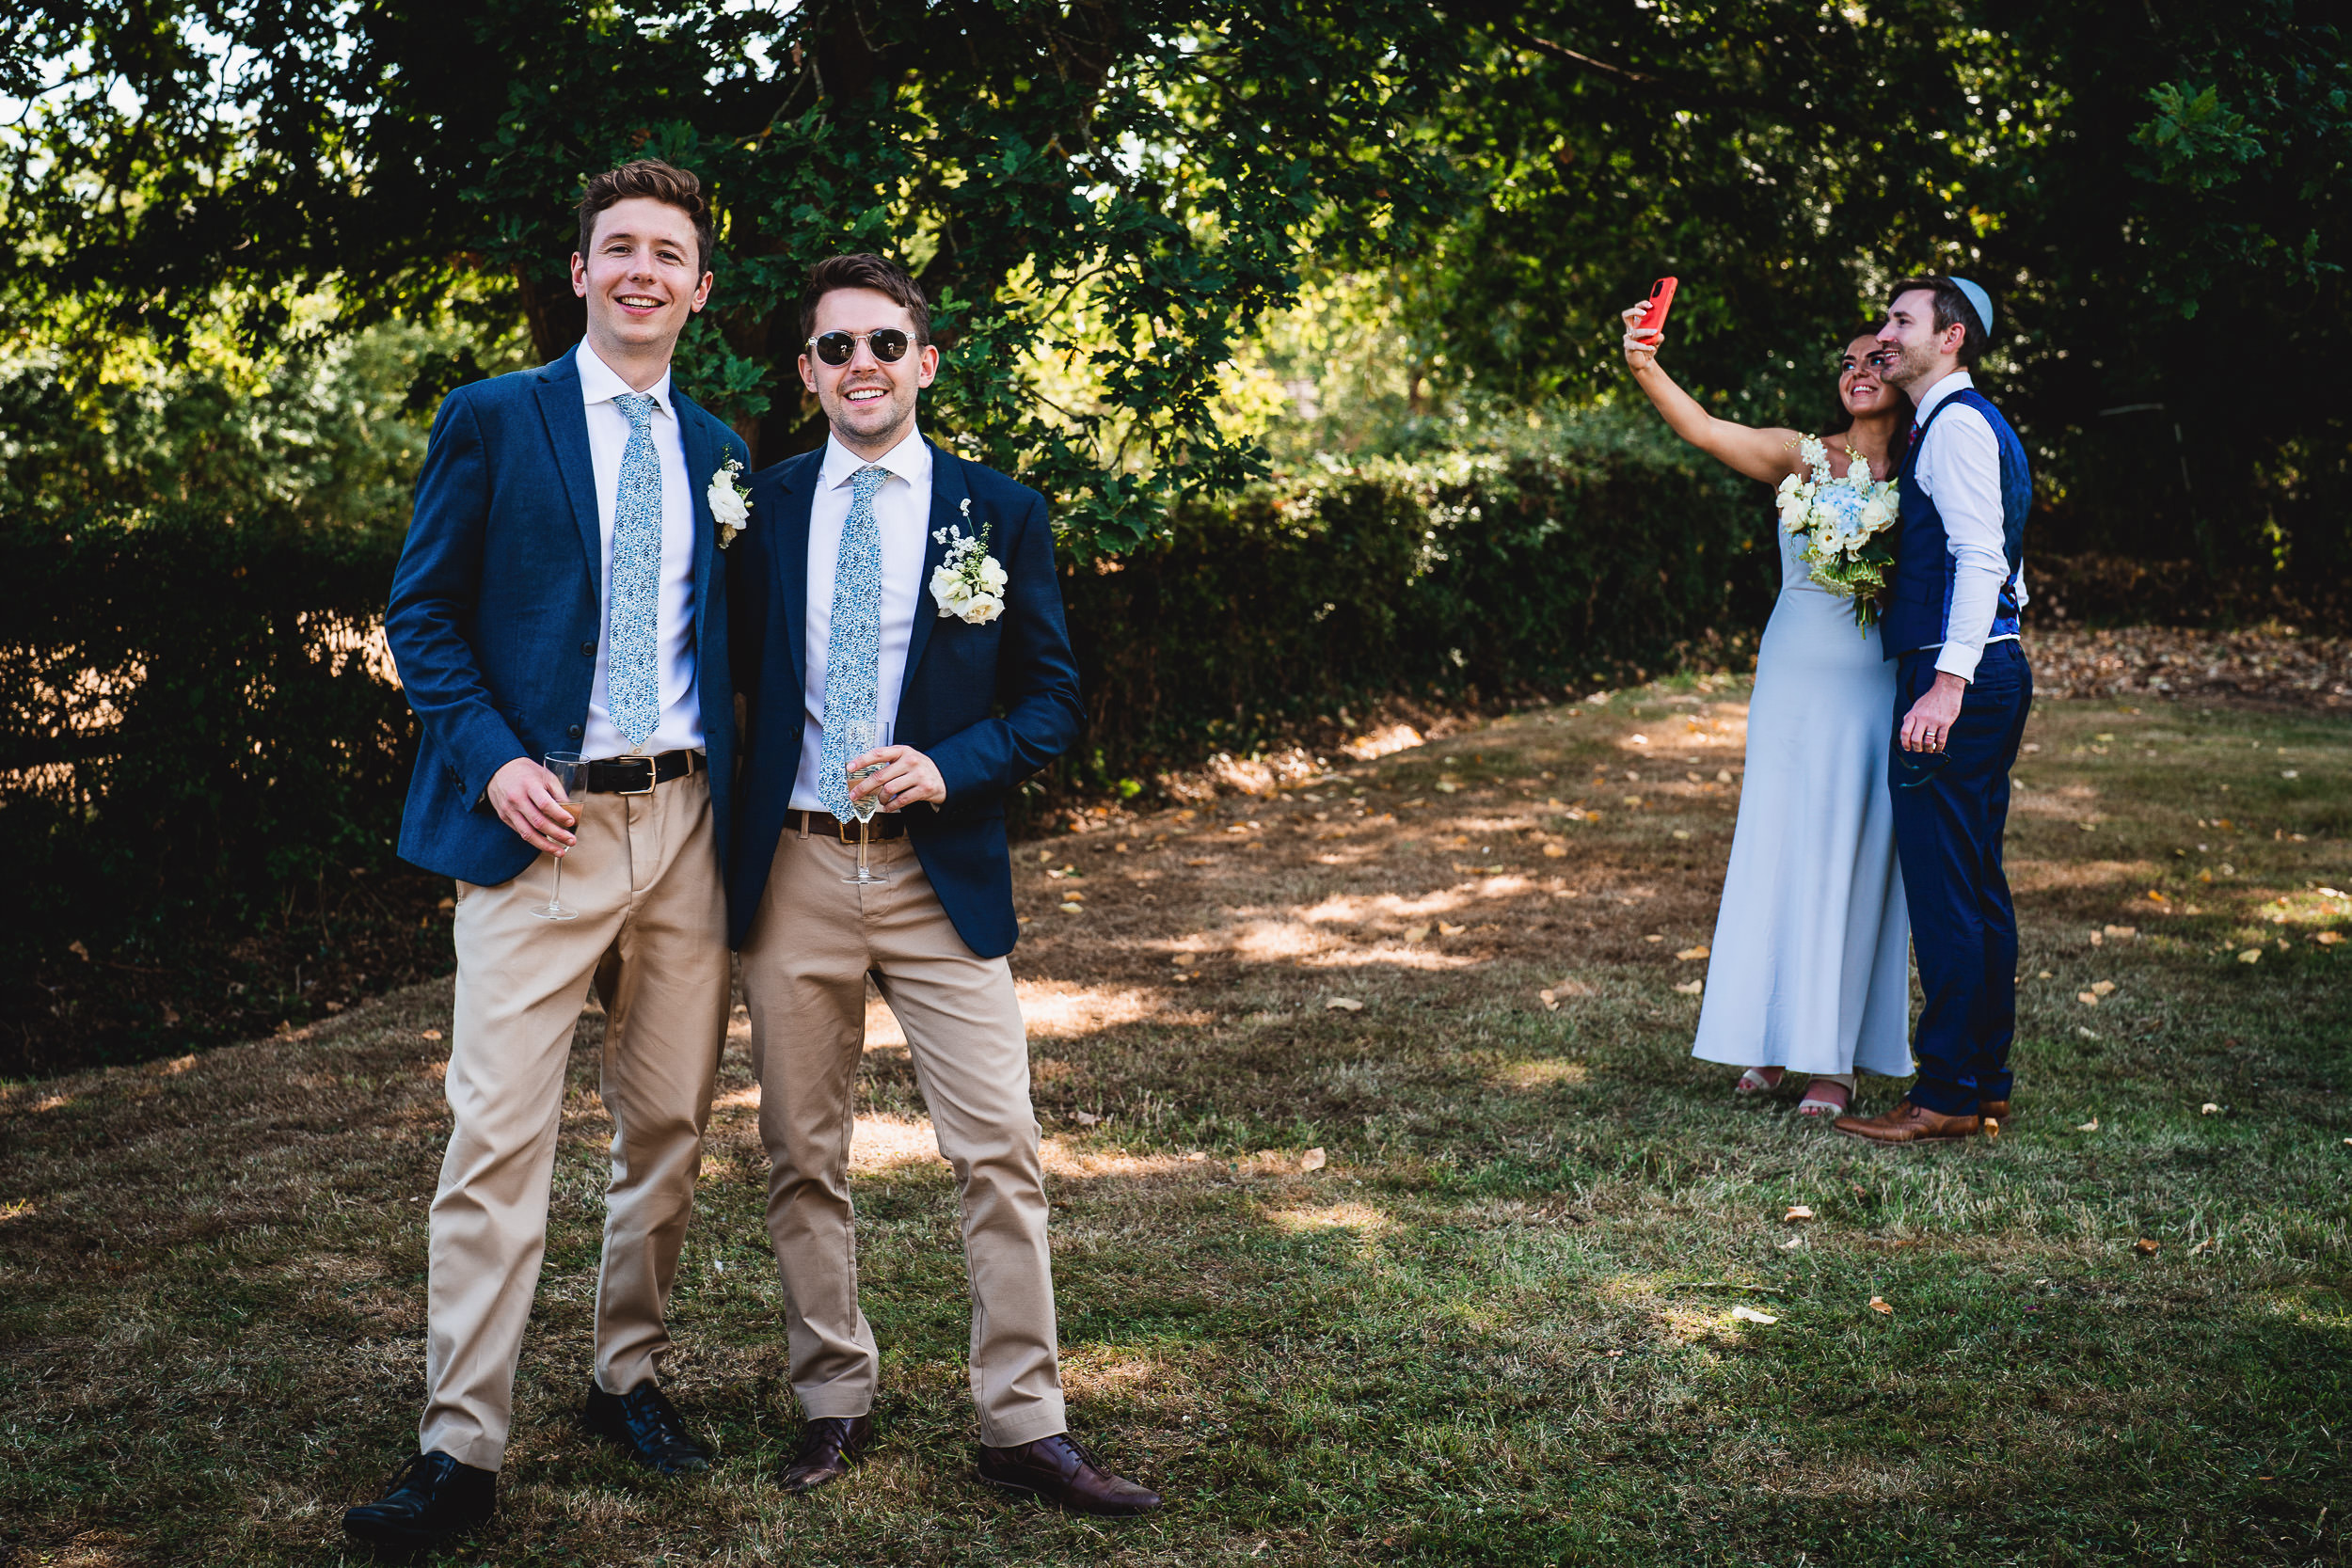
(1497, 1326)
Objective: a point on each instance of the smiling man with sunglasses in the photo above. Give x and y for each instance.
(888, 587)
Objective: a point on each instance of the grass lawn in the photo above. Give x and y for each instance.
(1497, 1326)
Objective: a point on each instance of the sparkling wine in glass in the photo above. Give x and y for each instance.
(571, 773)
(861, 736)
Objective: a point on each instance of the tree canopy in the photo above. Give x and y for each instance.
(1106, 198)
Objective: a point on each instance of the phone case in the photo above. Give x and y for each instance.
(1661, 296)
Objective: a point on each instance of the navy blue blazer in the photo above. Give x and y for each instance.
(496, 607)
(958, 676)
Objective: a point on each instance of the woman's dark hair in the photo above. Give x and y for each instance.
(1902, 442)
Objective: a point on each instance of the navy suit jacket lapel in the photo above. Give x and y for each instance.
(566, 419)
(949, 491)
(789, 549)
(701, 463)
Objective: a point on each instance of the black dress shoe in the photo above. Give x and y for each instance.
(645, 1423)
(829, 1446)
(431, 1499)
(1065, 1475)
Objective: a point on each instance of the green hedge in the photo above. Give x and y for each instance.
(199, 740)
(1467, 575)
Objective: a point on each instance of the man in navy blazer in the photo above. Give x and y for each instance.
(560, 593)
(890, 592)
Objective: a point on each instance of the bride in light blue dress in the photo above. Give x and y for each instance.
(1809, 971)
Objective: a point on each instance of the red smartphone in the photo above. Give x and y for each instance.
(1661, 297)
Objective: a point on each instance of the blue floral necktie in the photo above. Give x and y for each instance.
(632, 680)
(854, 642)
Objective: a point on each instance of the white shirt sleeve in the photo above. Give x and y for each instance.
(1966, 489)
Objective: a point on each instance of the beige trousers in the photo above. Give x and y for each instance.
(645, 877)
(811, 946)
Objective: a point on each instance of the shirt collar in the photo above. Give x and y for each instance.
(910, 460)
(600, 382)
(1941, 390)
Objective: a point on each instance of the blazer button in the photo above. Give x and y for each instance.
(573, 732)
(588, 650)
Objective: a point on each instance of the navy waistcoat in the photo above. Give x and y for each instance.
(1919, 599)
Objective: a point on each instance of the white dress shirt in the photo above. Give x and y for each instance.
(681, 724)
(902, 514)
(1960, 470)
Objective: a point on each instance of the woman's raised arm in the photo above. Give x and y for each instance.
(1769, 455)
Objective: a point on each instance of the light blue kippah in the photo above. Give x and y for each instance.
(1978, 297)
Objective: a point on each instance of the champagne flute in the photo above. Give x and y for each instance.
(571, 773)
(859, 737)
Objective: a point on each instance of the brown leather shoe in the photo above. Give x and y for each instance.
(1908, 1123)
(1993, 1110)
(1064, 1474)
(829, 1446)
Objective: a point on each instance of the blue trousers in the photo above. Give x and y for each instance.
(1951, 811)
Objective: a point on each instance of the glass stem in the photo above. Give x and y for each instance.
(555, 898)
(865, 832)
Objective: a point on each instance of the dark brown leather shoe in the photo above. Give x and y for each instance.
(829, 1446)
(1065, 1475)
(1993, 1110)
(1910, 1124)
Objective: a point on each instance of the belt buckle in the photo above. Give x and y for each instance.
(650, 780)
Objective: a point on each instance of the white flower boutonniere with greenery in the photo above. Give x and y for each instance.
(969, 583)
(730, 503)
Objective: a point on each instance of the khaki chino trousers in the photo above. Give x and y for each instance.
(645, 878)
(812, 944)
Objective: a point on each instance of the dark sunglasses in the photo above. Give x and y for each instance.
(833, 348)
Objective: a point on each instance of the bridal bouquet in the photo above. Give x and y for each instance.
(1843, 523)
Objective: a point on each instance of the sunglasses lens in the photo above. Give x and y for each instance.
(834, 348)
(890, 345)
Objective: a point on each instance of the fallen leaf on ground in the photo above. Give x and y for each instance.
(2206, 1245)
(2328, 939)
(1575, 987)
(1313, 1160)
(1877, 1304)
(1414, 933)
(435, 1034)
(2090, 1126)
(2209, 1109)
(1797, 1211)
(2103, 987)
(1750, 1315)
(1343, 1003)
(1085, 1119)
(1195, 1157)
(2146, 1247)
(2087, 998)
(1198, 860)
(1446, 930)
(1692, 987)
(1073, 908)
(1559, 851)
(1689, 953)
(1792, 1244)
(2122, 933)
(1550, 1001)
(1653, 938)
(1682, 832)
(2251, 955)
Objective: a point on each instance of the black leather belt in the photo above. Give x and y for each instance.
(825, 825)
(637, 775)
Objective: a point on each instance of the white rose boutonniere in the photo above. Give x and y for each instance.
(969, 583)
(730, 503)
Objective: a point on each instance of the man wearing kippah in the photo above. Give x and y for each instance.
(1962, 689)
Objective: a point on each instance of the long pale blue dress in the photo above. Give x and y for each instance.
(1810, 965)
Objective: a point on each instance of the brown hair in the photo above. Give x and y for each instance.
(656, 181)
(1951, 310)
(878, 273)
